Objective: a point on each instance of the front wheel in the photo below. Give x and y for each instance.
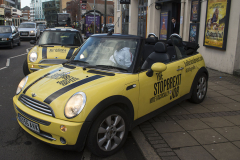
(11, 45)
(108, 132)
(25, 68)
(199, 89)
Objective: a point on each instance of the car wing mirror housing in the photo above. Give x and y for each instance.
(32, 42)
(156, 67)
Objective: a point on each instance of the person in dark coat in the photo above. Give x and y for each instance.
(174, 26)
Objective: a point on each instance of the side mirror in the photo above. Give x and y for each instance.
(156, 67)
(32, 42)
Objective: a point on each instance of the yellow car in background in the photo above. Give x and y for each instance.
(55, 46)
(111, 84)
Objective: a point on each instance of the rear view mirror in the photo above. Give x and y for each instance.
(32, 42)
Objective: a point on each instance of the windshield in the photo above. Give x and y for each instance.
(5, 30)
(27, 25)
(107, 52)
(60, 38)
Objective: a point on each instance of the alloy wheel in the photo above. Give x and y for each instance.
(201, 88)
(111, 132)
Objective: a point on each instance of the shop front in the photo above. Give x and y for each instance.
(213, 24)
(2, 16)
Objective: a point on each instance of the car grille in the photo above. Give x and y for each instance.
(24, 33)
(36, 105)
(53, 61)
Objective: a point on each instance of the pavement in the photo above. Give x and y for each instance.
(205, 131)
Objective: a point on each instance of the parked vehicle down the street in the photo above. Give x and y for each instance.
(55, 46)
(29, 30)
(41, 27)
(9, 36)
(111, 84)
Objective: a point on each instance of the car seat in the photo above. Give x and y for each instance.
(160, 54)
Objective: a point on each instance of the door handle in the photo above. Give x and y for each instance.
(179, 69)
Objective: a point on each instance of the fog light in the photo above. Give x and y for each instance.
(32, 66)
(62, 140)
(63, 128)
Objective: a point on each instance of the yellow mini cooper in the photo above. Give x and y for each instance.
(111, 84)
(55, 46)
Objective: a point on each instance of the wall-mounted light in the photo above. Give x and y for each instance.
(158, 6)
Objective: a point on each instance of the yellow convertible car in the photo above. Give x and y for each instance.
(55, 46)
(111, 84)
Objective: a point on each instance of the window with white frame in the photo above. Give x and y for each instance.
(118, 5)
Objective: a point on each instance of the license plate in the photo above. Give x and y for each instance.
(31, 125)
(24, 34)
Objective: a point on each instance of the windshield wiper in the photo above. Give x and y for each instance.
(49, 44)
(69, 45)
(73, 61)
(111, 67)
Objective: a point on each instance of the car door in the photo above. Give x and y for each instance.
(160, 89)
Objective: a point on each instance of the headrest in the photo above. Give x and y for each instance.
(151, 40)
(160, 47)
(169, 42)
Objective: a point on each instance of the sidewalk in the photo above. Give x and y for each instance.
(210, 130)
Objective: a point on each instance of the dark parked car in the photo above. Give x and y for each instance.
(9, 36)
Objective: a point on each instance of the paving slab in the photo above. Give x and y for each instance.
(236, 97)
(213, 94)
(192, 124)
(227, 92)
(223, 83)
(234, 119)
(233, 87)
(196, 108)
(186, 103)
(209, 100)
(169, 126)
(170, 158)
(231, 133)
(179, 139)
(177, 110)
(217, 88)
(237, 143)
(223, 100)
(223, 151)
(195, 152)
(234, 106)
(216, 122)
(207, 136)
(216, 107)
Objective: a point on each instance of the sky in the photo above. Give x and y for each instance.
(25, 3)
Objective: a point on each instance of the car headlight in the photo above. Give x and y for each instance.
(21, 85)
(33, 57)
(5, 39)
(32, 31)
(75, 105)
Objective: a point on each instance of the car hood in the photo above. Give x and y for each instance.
(26, 29)
(5, 35)
(53, 52)
(55, 85)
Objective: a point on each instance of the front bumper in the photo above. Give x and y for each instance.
(5, 43)
(49, 126)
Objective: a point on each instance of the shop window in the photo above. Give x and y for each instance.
(110, 20)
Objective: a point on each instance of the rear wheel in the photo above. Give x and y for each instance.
(200, 89)
(108, 132)
(25, 68)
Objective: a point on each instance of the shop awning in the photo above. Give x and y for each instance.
(162, 1)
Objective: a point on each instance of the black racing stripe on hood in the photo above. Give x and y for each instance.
(44, 53)
(53, 71)
(70, 52)
(60, 92)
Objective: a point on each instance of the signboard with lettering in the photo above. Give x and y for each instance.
(125, 1)
(1, 11)
(84, 6)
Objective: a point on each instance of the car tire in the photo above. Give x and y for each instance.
(19, 43)
(11, 45)
(199, 89)
(25, 68)
(108, 132)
